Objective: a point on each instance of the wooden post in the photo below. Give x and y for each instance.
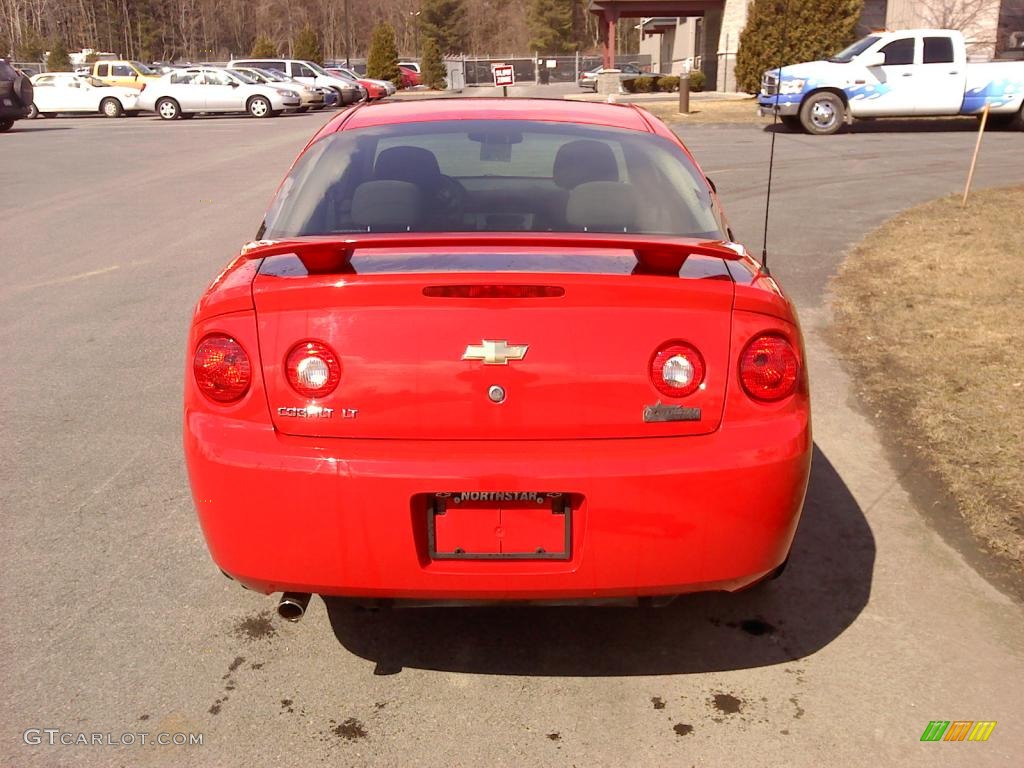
(684, 93)
(974, 160)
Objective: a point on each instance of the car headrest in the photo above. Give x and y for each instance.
(584, 160)
(413, 164)
(603, 206)
(387, 206)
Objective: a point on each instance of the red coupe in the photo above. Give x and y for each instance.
(489, 349)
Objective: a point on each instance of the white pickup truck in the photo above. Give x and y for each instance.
(911, 73)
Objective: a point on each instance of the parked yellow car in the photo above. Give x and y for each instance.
(131, 74)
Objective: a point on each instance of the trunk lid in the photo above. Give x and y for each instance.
(585, 372)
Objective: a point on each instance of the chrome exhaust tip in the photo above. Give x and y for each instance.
(292, 605)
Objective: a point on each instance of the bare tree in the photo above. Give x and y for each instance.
(963, 15)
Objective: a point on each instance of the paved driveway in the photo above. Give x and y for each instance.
(116, 621)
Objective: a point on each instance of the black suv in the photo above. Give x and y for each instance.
(15, 96)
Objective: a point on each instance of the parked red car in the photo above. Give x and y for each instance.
(496, 349)
(410, 77)
(375, 89)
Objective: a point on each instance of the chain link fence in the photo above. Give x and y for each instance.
(541, 69)
(30, 67)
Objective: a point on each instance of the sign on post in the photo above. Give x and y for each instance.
(504, 75)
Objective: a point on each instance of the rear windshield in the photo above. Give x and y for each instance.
(493, 176)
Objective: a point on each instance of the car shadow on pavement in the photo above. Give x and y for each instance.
(39, 128)
(898, 125)
(824, 589)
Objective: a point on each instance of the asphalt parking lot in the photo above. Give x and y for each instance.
(116, 620)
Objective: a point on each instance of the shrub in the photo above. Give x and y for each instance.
(629, 86)
(669, 83)
(382, 63)
(263, 48)
(697, 80)
(644, 84)
(307, 46)
(432, 68)
(57, 60)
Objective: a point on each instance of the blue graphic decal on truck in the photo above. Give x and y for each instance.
(997, 93)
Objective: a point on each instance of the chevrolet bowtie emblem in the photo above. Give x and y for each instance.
(495, 352)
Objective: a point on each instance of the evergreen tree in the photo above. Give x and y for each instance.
(382, 63)
(551, 22)
(432, 68)
(57, 60)
(445, 22)
(811, 30)
(263, 48)
(306, 46)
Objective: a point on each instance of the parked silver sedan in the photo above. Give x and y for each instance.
(310, 97)
(588, 80)
(187, 92)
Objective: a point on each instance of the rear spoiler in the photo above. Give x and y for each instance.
(660, 255)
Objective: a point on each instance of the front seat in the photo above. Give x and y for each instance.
(583, 161)
(419, 167)
(578, 162)
(414, 165)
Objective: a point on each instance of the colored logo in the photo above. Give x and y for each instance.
(958, 730)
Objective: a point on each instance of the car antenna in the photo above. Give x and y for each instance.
(775, 122)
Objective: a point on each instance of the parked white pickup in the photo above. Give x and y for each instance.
(911, 73)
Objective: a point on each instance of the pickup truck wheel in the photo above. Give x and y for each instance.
(111, 107)
(33, 112)
(168, 109)
(5, 125)
(1014, 122)
(258, 106)
(300, 110)
(822, 113)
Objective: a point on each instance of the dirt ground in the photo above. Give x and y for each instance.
(709, 111)
(929, 311)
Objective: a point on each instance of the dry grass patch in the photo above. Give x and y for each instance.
(930, 312)
(740, 111)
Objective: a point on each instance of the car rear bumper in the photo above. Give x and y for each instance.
(650, 516)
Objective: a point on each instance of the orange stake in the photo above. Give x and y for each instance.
(974, 160)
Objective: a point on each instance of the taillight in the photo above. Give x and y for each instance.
(677, 369)
(313, 369)
(221, 368)
(769, 368)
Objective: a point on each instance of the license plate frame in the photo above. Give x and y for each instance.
(556, 503)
